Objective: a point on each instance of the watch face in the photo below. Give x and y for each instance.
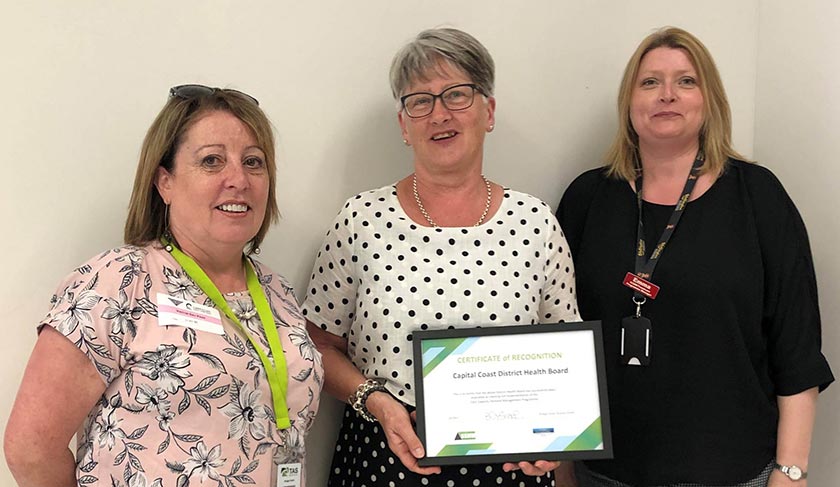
(794, 472)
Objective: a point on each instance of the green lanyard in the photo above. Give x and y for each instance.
(277, 375)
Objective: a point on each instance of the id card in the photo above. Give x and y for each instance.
(174, 311)
(635, 340)
(289, 475)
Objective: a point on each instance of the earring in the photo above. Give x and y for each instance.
(254, 249)
(166, 233)
(406, 142)
(491, 127)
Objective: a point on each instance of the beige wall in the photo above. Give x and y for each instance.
(797, 120)
(82, 81)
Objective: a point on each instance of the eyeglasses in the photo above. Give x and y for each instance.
(189, 92)
(455, 98)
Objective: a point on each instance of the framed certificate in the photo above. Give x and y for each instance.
(512, 393)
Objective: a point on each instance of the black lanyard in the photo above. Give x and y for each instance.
(644, 269)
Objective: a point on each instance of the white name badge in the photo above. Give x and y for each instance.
(174, 311)
(288, 475)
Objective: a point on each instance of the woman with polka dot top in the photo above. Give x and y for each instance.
(442, 248)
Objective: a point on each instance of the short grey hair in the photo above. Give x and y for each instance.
(420, 58)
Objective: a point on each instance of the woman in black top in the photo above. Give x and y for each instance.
(712, 332)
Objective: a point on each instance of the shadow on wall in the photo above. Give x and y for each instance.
(369, 156)
(365, 153)
(374, 154)
(543, 161)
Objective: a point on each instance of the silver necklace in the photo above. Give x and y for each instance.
(429, 218)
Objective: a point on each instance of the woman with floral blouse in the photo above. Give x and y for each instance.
(178, 358)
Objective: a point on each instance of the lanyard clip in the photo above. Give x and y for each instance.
(639, 303)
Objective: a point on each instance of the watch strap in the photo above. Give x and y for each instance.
(792, 471)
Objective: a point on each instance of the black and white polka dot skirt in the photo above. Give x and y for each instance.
(362, 459)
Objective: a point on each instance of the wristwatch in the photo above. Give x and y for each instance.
(792, 471)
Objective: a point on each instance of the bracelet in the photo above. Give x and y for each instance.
(359, 398)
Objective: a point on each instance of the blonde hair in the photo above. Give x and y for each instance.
(716, 133)
(147, 218)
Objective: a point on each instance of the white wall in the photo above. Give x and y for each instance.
(82, 81)
(797, 119)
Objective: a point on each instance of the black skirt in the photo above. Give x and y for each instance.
(587, 478)
(362, 459)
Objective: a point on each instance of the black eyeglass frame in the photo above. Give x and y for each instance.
(191, 91)
(474, 87)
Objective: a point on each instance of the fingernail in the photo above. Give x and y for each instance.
(418, 452)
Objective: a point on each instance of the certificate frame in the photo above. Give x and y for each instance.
(438, 352)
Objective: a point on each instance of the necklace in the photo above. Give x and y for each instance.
(429, 218)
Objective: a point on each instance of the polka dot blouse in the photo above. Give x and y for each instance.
(379, 276)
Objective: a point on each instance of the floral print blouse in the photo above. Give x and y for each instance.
(182, 406)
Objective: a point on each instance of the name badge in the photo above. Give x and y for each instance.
(288, 475)
(643, 286)
(174, 311)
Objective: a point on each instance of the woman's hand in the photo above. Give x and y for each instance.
(343, 378)
(540, 467)
(399, 430)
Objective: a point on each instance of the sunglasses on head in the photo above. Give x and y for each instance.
(189, 92)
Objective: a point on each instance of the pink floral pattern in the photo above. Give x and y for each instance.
(182, 407)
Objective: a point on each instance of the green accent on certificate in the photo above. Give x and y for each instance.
(512, 393)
